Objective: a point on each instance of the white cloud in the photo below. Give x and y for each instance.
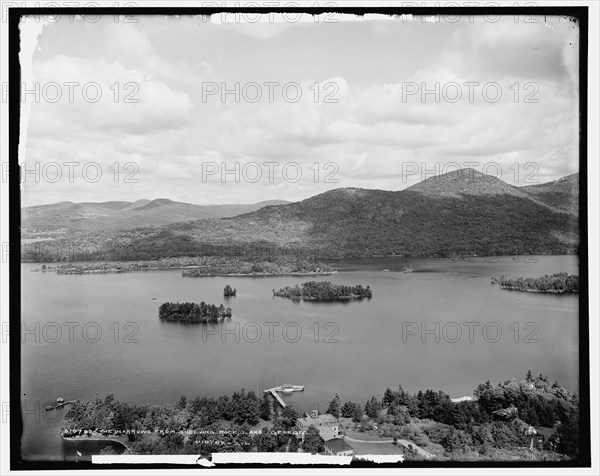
(369, 132)
(87, 95)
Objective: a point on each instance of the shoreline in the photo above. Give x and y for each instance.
(262, 274)
(199, 276)
(507, 288)
(96, 438)
(164, 264)
(72, 271)
(309, 299)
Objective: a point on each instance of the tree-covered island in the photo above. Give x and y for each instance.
(192, 312)
(324, 291)
(558, 283)
(228, 291)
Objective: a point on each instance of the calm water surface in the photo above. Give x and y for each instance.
(442, 326)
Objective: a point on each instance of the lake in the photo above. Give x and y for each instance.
(442, 327)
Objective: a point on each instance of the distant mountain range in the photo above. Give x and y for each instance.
(462, 212)
(63, 218)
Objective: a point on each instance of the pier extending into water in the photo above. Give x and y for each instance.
(286, 388)
(59, 403)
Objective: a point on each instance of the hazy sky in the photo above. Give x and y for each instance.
(375, 130)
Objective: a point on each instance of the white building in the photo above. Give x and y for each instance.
(327, 424)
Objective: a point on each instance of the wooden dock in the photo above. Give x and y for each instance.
(53, 406)
(277, 397)
(286, 388)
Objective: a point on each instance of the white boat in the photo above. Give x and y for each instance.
(289, 388)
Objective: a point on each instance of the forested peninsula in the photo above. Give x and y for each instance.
(558, 283)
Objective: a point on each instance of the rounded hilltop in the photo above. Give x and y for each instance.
(464, 182)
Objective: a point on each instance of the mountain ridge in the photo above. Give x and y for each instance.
(446, 216)
(62, 218)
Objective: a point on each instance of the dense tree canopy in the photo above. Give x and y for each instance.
(324, 291)
(350, 223)
(229, 291)
(313, 443)
(556, 283)
(500, 418)
(192, 312)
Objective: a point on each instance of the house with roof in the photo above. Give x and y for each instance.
(326, 424)
(328, 433)
(338, 447)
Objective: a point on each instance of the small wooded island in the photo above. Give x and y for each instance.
(229, 291)
(192, 312)
(324, 291)
(558, 283)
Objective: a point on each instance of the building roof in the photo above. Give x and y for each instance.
(324, 419)
(327, 433)
(337, 445)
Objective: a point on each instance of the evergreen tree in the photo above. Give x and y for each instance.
(265, 409)
(252, 409)
(264, 441)
(293, 446)
(289, 416)
(348, 409)
(568, 433)
(357, 417)
(334, 406)
(182, 402)
(413, 406)
(388, 397)
(372, 407)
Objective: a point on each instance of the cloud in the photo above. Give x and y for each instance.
(372, 124)
(85, 95)
(531, 49)
(128, 43)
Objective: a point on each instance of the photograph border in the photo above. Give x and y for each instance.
(580, 13)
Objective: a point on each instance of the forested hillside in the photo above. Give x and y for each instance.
(67, 218)
(457, 214)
